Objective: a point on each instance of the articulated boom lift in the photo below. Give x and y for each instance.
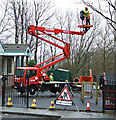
(36, 31)
(37, 73)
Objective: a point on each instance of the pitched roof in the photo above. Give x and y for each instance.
(14, 47)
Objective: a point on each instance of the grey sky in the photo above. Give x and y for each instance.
(68, 5)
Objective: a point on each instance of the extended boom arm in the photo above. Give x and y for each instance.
(36, 31)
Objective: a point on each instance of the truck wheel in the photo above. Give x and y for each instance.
(21, 92)
(53, 91)
(32, 90)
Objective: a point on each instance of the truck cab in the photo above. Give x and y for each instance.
(35, 78)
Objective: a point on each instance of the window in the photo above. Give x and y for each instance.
(20, 72)
(32, 73)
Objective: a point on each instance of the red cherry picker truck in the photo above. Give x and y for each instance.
(38, 80)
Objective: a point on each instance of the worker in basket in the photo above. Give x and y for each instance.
(87, 17)
(51, 77)
(82, 15)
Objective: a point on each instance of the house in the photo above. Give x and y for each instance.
(10, 55)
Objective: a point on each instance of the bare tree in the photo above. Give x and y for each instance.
(107, 13)
(4, 21)
(82, 47)
(20, 16)
(42, 9)
(15, 15)
(25, 18)
(103, 56)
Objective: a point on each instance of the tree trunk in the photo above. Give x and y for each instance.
(36, 46)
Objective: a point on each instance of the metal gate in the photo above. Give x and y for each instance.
(8, 91)
(109, 95)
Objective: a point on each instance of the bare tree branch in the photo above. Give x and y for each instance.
(112, 22)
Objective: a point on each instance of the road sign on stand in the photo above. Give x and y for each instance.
(64, 98)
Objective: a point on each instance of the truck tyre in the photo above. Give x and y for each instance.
(32, 90)
(53, 91)
(22, 92)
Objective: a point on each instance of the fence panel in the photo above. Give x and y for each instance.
(109, 95)
(87, 90)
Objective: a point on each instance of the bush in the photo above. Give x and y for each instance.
(31, 63)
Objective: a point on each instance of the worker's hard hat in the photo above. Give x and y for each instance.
(86, 7)
(51, 73)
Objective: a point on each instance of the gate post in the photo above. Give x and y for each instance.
(103, 102)
(82, 92)
(27, 81)
(96, 92)
(3, 90)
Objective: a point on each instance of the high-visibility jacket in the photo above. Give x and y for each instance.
(51, 78)
(87, 14)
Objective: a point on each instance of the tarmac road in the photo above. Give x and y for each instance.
(43, 100)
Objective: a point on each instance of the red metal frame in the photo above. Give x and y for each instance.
(85, 26)
(36, 31)
(33, 29)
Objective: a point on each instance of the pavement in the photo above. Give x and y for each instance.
(59, 114)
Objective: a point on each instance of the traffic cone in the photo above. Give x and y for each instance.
(88, 107)
(9, 103)
(33, 106)
(52, 105)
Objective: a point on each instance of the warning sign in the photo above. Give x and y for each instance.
(64, 98)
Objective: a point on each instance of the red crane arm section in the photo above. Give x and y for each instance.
(81, 26)
(49, 42)
(52, 63)
(66, 49)
(56, 31)
(49, 59)
(32, 30)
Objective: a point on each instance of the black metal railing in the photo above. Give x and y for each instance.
(9, 91)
